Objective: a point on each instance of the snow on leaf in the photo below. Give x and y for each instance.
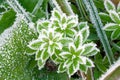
(89, 63)
(44, 55)
(35, 45)
(114, 16)
(70, 70)
(56, 14)
(89, 47)
(109, 5)
(42, 25)
(65, 55)
(79, 51)
(85, 33)
(83, 68)
(78, 41)
(40, 64)
(115, 34)
(111, 27)
(72, 48)
(70, 32)
(61, 69)
(38, 55)
(67, 63)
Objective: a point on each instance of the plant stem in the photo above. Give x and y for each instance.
(39, 3)
(19, 9)
(63, 6)
(98, 25)
(82, 9)
(115, 46)
(83, 76)
(90, 74)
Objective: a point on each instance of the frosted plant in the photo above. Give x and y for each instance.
(47, 42)
(61, 42)
(13, 49)
(64, 24)
(114, 14)
(76, 56)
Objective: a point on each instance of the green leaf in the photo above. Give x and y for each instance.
(66, 40)
(115, 34)
(109, 5)
(72, 48)
(85, 33)
(111, 27)
(7, 19)
(89, 63)
(75, 65)
(93, 52)
(40, 64)
(35, 45)
(56, 14)
(83, 68)
(38, 55)
(78, 41)
(79, 51)
(70, 32)
(99, 63)
(67, 63)
(89, 47)
(13, 59)
(42, 25)
(105, 17)
(61, 69)
(70, 70)
(82, 25)
(65, 55)
(64, 19)
(44, 55)
(114, 16)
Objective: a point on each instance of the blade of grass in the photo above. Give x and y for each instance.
(98, 26)
(19, 9)
(39, 3)
(63, 6)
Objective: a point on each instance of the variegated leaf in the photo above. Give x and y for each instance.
(111, 27)
(78, 41)
(89, 63)
(89, 48)
(115, 34)
(83, 68)
(40, 64)
(35, 45)
(109, 5)
(61, 69)
(65, 55)
(42, 25)
(114, 16)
